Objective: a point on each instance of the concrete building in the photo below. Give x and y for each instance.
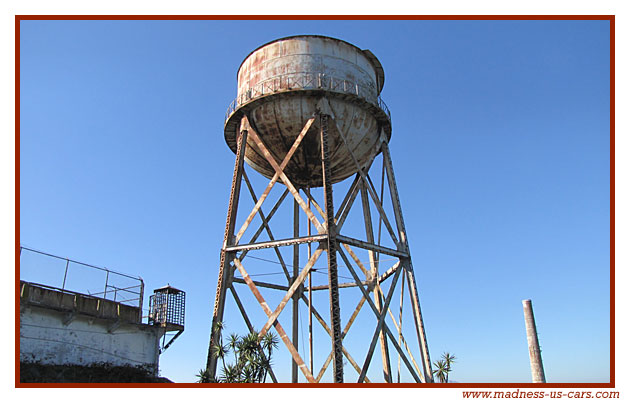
(60, 327)
(67, 336)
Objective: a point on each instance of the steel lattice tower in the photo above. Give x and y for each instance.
(309, 115)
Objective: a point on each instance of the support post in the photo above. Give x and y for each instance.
(296, 295)
(535, 358)
(310, 293)
(378, 300)
(404, 244)
(335, 317)
(225, 271)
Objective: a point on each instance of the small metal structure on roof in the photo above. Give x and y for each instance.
(167, 308)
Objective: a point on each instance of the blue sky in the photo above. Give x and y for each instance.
(500, 145)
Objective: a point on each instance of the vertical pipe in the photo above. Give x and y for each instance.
(63, 286)
(535, 358)
(333, 284)
(310, 293)
(400, 322)
(106, 281)
(297, 293)
(140, 303)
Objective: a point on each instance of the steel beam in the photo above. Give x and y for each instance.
(279, 172)
(224, 271)
(343, 214)
(322, 322)
(296, 294)
(388, 272)
(335, 317)
(279, 329)
(310, 294)
(241, 308)
(373, 307)
(413, 291)
(262, 225)
(400, 319)
(377, 203)
(369, 233)
(341, 285)
(343, 335)
(346, 199)
(281, 242)
(262, 284)
(370, 246)
(266, 225)
(297, 283)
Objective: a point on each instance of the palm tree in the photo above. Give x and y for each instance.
(218, 328)
(448, 360)
(251, 361)
(218, 350)
(233, 341)
(269, 342)
(230, 374)
(441, 370)
(203, 375)
(221, 352)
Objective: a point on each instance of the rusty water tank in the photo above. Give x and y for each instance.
(279, 86)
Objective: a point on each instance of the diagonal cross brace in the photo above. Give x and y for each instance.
(262, 226)
(280, 173)
(381, 320)
(322, 322)
(266, 225)
(279, 170)
(279, 329)
(377, 203)
(296, 284)
(241, 308)
(384, 326)
(343, 335)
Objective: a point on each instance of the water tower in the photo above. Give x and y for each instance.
(308, 115)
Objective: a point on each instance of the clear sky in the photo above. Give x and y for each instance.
(500, 145)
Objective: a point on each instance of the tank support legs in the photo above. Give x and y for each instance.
(333, 287)
(415, 301)
(225, 269)
(377, 287)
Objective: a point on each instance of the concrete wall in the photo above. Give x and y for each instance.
(54, 335)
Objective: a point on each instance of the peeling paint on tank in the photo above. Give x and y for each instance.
(279, 86)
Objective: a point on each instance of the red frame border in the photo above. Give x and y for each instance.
(610, 18)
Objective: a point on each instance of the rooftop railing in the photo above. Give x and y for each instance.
(308, 81)
(114, 286)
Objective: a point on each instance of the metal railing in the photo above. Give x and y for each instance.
(129, 295)
(308, 81)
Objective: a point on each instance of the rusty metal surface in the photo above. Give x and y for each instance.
(267, 155)
(224, 271)
(380, 74)
(381, 324)
(279, 329)
(311, 111)
(279, 87)
(335, 317)
(275, 177)
(400, 223)
(248, 322)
